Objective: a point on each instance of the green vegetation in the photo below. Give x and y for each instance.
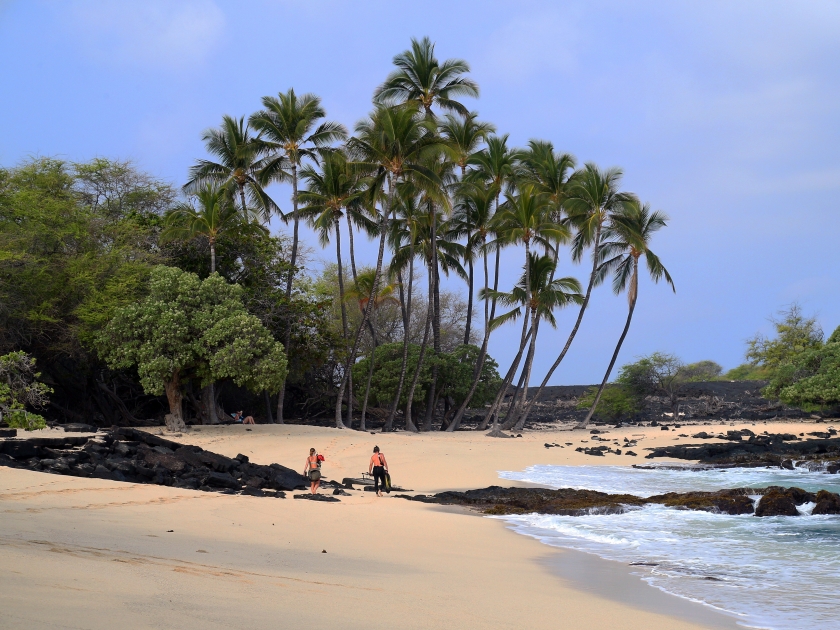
(810, 379)
(19, 389)
(617, 402)
(191, 329)
(795, 334)
(124, 287)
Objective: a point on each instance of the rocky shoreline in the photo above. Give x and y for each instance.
(496, 500)
(780, 449)
(125, 454)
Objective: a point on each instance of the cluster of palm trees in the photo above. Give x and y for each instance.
(437, 187)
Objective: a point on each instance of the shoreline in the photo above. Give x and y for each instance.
(101, 552)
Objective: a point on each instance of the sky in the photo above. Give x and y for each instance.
(724, 115)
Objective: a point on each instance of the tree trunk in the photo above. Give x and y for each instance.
(408, 405)
(208, 401)
(288, 340)
(344, 331)
(362, 423)
(352, 251)
(493, 414)
(348, 424)
(212, 256)
(632, 295)
(368, 306)
(482, 355)
(517, 422)
(267, 407)
(574, 329)
(409, 425)
(435, 297)
(174, 419)
(471, 289)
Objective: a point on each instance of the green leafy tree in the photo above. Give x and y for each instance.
(455, 374)
(187, 328)
(658, 374)
(19, 389)
(810, 379)
(616, 402)
(795, 333)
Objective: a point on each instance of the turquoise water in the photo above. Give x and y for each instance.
(777, 572)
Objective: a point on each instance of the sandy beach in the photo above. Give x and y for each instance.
(89, 553)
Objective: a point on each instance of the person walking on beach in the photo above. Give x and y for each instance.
(378, 467)
(313, 471)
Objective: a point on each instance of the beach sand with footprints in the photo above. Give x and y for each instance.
(105, 554)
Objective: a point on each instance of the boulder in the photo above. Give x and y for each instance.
(78, 427)
(777, 502)
(826, 503)
(221, 480)
(169, 461)
(283, 478)
(721, 501)
(317, 497)
(8, 433)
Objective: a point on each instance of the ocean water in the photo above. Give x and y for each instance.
(772, 572)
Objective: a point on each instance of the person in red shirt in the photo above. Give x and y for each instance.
(378, 467)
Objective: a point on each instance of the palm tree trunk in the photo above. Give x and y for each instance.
(435, 297)
(482, 355)
(363, 422)
(515, 420)
(429, 314)
(366, 313)
(288, 339)
(209, 393)
(344, 331)
(632, 295)
(470, 294)
(574, 329)
(242, 198)
(494, 410)
(409, 425)
(493, 414)
(352, 251)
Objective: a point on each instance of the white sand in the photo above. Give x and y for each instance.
(87, 553)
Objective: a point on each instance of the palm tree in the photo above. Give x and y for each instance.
(422, 79)
(332, 187)
(417, 232)
(627, 239)
(215, 215)
(287, 128)
(546, 294)
(463, 137)
(475, 208)
(239, 165)
(524, 218)
(593, 195)
(361, 294)
(391, 144)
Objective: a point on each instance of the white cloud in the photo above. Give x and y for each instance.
(154, 34)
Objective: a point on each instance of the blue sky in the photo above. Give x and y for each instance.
(722, 114)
